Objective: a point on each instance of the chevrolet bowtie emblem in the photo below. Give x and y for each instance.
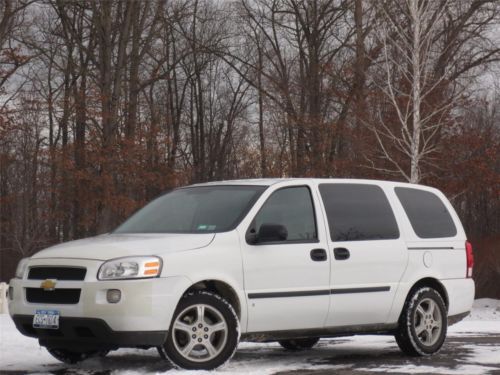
(48, 285)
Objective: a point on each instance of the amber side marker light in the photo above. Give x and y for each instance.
(151, 268)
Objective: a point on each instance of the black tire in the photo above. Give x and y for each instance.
(71, 357)
(225, 341)
(418, 333)
(299, 344)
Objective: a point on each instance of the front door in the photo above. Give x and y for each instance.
(286, 265)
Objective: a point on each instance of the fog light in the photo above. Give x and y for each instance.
(113, 295)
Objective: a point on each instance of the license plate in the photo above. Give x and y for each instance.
(46, 319)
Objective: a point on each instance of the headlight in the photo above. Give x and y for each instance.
(21, 267)
(130, 268)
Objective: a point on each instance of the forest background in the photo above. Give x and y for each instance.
(104, 105)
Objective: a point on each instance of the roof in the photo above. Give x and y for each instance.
(272, 181)
(250, 181)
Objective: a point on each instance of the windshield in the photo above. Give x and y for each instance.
(203, 209)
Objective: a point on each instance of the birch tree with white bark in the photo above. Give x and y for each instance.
(430, 49)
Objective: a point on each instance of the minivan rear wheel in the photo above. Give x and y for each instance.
(423, 323)
(299, 344)
(204, 332)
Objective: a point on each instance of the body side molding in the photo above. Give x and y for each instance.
(310, 293)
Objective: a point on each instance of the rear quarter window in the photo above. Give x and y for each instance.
(427, 213)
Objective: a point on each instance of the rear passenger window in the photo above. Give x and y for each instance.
(358, 212)
(427, 213)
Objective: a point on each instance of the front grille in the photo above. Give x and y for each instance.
(57, 296)
(57, 273)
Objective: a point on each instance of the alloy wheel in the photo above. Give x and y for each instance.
(428, 322)
(200, 333)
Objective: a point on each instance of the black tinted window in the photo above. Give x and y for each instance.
(358, 212)
(292, 208)
(427, 213)
(194, 210)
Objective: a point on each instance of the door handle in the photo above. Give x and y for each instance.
(318, 255)
(341, 253)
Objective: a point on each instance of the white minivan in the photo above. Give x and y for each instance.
(290, 260)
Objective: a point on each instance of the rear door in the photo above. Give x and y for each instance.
(287, 281)
(369, 254)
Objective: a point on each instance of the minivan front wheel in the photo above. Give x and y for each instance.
(423, 323)
(204, 332)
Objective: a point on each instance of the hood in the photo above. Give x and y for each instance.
(109, 246)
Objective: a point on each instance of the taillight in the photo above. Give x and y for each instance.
(470, 258)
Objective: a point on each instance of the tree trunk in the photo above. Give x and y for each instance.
(416, 94)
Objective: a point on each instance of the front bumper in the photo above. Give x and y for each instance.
(84, 334)
(141, 318)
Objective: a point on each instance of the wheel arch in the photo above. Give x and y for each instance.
(434, 283)
(221, 288)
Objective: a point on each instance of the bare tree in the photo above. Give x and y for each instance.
(421, 79)
(12, 56)
(292, 51)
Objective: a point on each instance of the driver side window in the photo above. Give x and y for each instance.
(293, 209)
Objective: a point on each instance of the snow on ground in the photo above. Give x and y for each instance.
(485, 309)
(413, 369)
(479, 322)
(476, 340)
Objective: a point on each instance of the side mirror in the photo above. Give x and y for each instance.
(267, 233)
(252, 236)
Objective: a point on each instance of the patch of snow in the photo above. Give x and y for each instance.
(485, 309)
(18, 352)
(485, 355)
(484, 319)
(467, 327)
(414, 369)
